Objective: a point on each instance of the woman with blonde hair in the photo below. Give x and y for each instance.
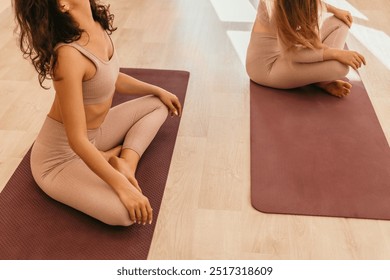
(86, 153)
(289, 47)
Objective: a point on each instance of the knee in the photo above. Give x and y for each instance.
(124, 223)
(159, 105)
(164, 109)
(120, 218)
(119, 221)
(340, 70)
(335, 22)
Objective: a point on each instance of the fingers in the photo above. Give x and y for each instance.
(355, 60)
(358, 60)
(138, 206)
(172, 102)
(346, 17)
(349, 19)
(141, 212)
(138, 214)
(355, 64)
(146, 213)
(173, 110)
(132, 215)
(175, 106)
(144, 217)
(150, 213)
(362, 58)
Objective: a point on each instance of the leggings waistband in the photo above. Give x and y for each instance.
(53, 131)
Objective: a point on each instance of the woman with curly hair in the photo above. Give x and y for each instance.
(289, 47)
(86, 154)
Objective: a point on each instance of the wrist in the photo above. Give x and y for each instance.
(157, 91)
(120, 184)
(331, 54)
(330, 8)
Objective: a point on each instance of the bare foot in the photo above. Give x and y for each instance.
(123, 167)
(114, 152)
(337, 88)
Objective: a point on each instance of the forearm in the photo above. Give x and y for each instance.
(332, 54)
(136, 203)
(329, 8)
(306, 55)
(128, 85)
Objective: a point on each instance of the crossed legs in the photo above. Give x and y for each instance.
(123, 137)
(325, 74)
(140, 120)
(333, 34)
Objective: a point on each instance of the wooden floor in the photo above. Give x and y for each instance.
(206, 211)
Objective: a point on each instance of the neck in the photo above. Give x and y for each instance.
(82, 14)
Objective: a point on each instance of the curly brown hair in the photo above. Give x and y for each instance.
(41, 25)
(298, 22)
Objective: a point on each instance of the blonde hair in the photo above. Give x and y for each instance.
(298, 23)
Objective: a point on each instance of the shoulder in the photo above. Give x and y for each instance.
(67, 52)
(265, 10)
(67, 58)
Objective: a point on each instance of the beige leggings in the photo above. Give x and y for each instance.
(65, 177)
(268, 66)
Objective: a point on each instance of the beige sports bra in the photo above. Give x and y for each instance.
(102, 85)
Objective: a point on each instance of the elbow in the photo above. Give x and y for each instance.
(306, 55)
(75, 145)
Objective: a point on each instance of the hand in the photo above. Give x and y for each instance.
(137, 205)
(171, 101)
(350, 58)
(344, 16)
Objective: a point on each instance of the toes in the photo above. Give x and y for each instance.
(347, 85)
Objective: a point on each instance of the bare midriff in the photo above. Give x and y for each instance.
(94, 113)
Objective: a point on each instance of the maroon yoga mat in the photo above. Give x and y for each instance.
(34, 226)
(315, 154)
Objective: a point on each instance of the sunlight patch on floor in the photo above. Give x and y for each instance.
(376, 41)
(243, 11)
(240, 41)
(234, 10)
(343, 4)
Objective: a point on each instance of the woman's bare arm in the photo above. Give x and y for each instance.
(347, 57)
(126, 84)
(341, 14)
